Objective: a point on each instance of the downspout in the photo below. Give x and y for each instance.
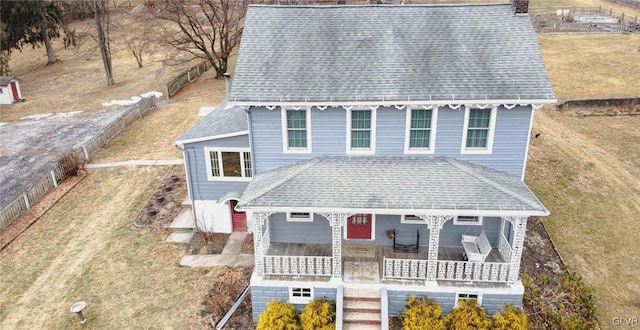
(187, 169)
(253, 161)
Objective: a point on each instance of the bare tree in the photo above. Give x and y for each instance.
(138, 44)
(208, 29)
(101, 14)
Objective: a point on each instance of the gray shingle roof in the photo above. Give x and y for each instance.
(367, 53)
(420, 183)
(224, 119)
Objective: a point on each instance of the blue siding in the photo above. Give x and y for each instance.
(450, 235)
(318, 231)
(490, 302)
(201, 187)
(328, 129)
(261, 295)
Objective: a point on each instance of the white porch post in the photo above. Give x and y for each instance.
(500, 242)
(435, 224)
(336, 220)
(519, 225)
(259, 218)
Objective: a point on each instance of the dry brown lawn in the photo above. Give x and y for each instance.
(85, 248)
(593, 66)
(586, 170)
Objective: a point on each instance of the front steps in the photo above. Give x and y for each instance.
(361, 309)
(182, 227)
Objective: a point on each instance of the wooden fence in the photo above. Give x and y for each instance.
(50, 180)
(186, 78)
(624, 23)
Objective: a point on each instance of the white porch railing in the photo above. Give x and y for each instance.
(504, 248)
(405, 269)
(451, 270)
(448, 270)
(298, 265)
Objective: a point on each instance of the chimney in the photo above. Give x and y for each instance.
(520, 6)
(227, 82)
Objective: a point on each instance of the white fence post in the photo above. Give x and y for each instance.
(53, 176)
(86, 153)
(26, 200)
(189, 75)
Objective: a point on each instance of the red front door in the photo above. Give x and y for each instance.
(238, 219)
(14, 91)
(359, 226)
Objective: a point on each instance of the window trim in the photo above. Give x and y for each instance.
(300, 300)
(404, 219)
(490, 134)
(219, 151)
(285, 135)
(292, 219)
(432, 132)
(464, 223)
(458, 298)
(361, 151)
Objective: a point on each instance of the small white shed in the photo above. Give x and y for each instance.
(9, 90)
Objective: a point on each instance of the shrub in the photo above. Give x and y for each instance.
(318, 314)
(510, 318)
(468, 315)
(279, 316)
(421, 313)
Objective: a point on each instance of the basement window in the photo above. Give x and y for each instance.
(300, 295)
(468, 296)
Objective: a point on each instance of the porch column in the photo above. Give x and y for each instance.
(435, 224)
(258, 219)
(336, 220)
(519, 225)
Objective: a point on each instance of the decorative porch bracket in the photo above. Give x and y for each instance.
(259, 219)
(435, 224)
(336, 221)
(519, 225)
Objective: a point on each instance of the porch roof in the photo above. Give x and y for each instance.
(223, 121)
(400, 185)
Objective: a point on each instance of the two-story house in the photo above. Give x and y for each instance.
(376, 147)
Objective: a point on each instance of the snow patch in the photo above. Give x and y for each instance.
(2, 124)
(133, 100)
(52, 115)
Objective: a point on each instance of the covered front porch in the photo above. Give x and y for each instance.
(304, 216)
(384, 263)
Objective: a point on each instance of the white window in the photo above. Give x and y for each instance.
(361, 131)
(299, 217)
(468, 296)
(412, 219)
(300, 295)
(296, 130)
(227, 164)
(467, 220)
(420, 131)
(478, 131)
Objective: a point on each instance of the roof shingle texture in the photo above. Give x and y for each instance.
(224, 119)
(371, 53)
(438, 183)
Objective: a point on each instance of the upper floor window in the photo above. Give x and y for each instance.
(228, 164)
(361, 131)
(296, 132)
(479, 127)
(420, 131)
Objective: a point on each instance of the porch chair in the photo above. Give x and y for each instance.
(476, 248)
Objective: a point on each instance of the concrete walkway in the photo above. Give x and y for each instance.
(230, 255)
(141, 162)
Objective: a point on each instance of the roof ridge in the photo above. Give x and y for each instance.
(302, 167)
(488, 181)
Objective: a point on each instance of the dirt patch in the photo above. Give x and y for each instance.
(166, 201)
(539, 257)
(224, 294)
(209, 243)
(247, 246)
